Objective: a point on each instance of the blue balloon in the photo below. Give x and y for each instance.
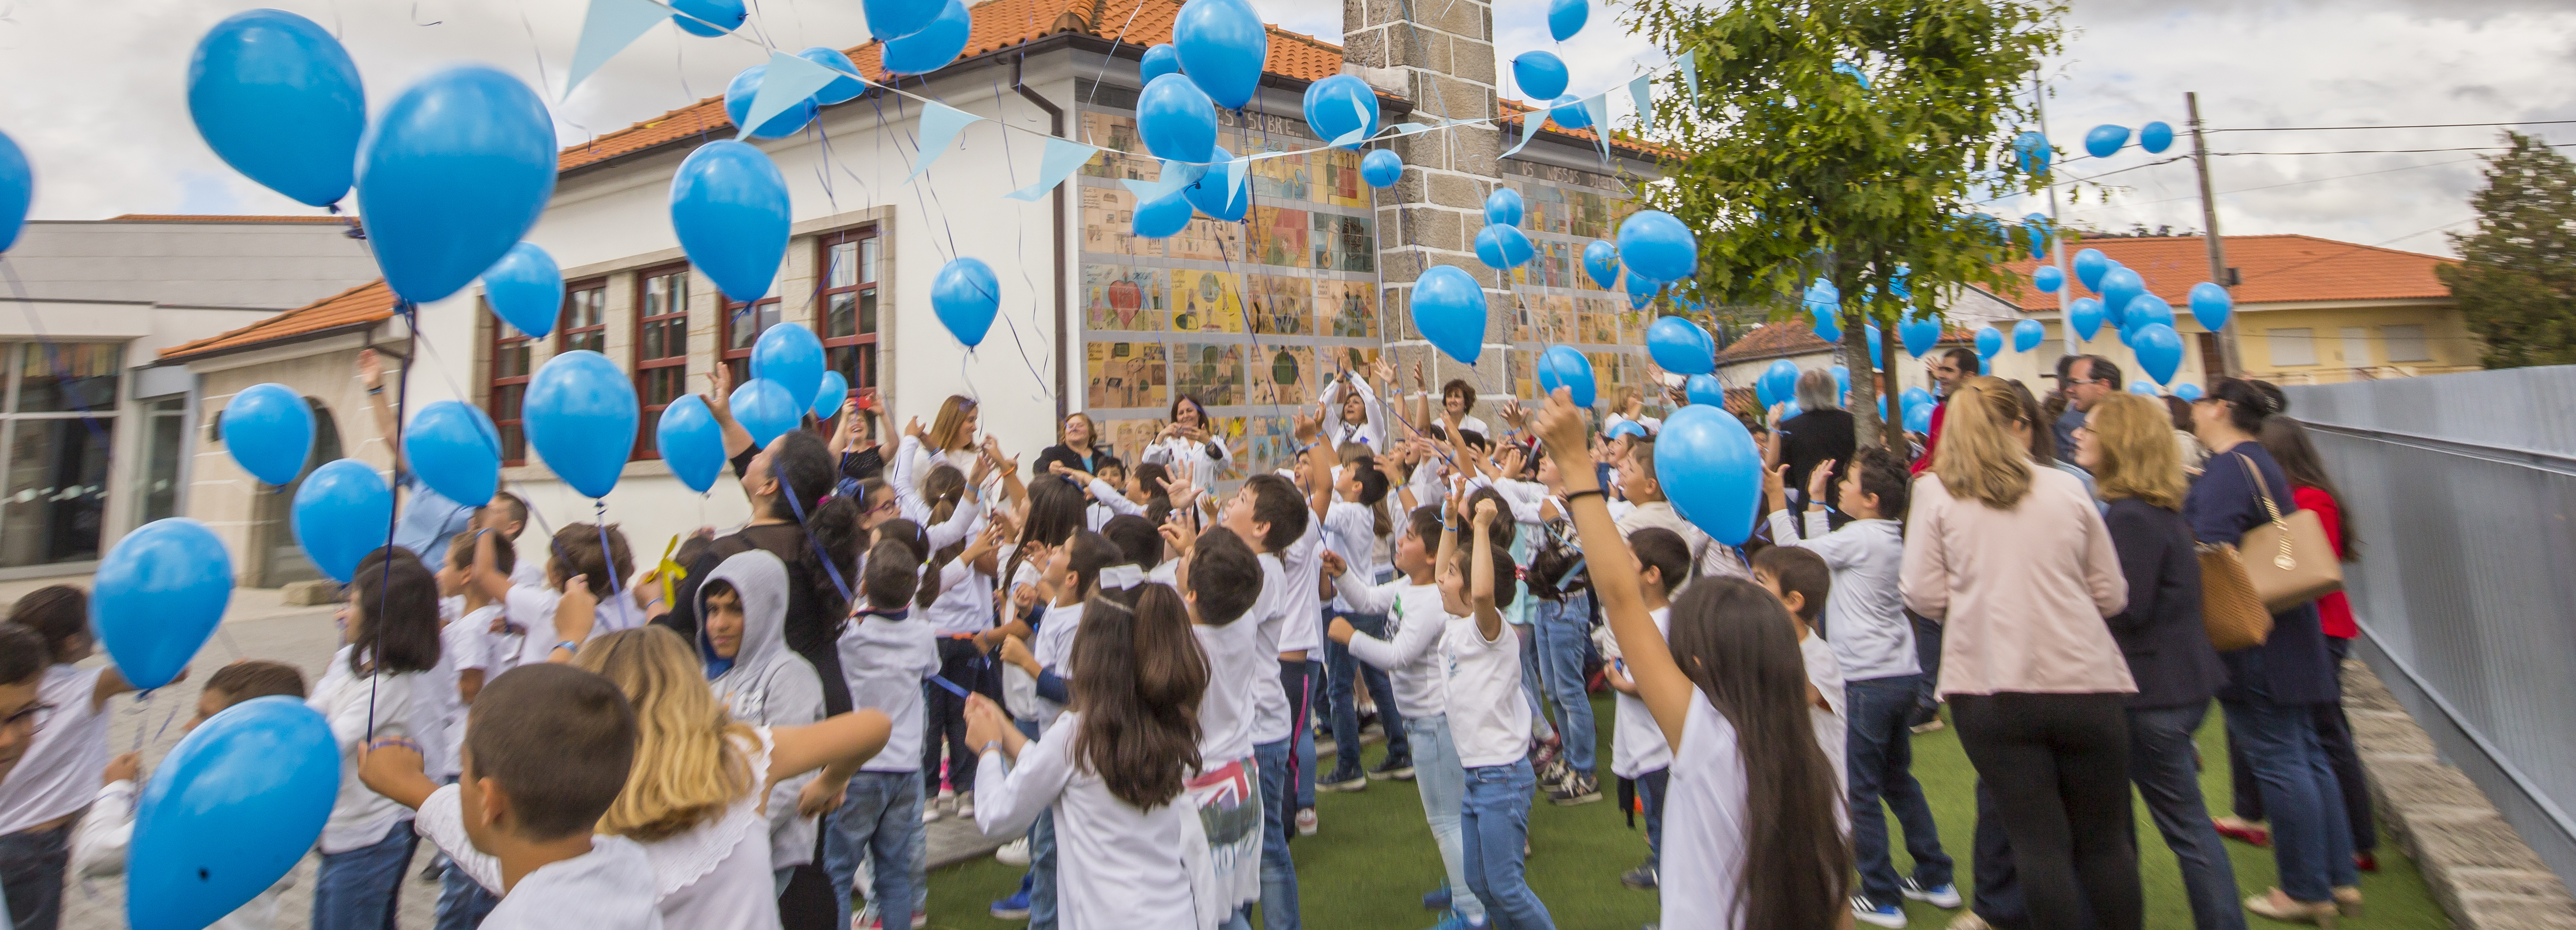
(1710, 470)
(829, 398)
(1915, 396)
(2143, 388)
(709, 18)
(1638, 288)
(231, 811)
(2048, 279)
(1502, 246)
(894, 19)
(765, 410)
(1449, 310)
(581, 418)
(1656, 245)
(1782, 380)
(1382, 168)
(1210, 195)
(2086, 314)
(1639, 299)
(729, 206)
(279, 100)
(2155, 137)
(690, 442)
(966, 295)
(2211, 305)
(1871, 330)
(340, 514)
(1762, 393)
(1705, 389)
(159, 594)
(454, 448)
(1542, 75)
(745, 87)
(1569, 112)
(1561, 366)
(1829, 326)
(1223, 46)
(2148, 308)
(934, 46)
(1626, 428)
(1503, 207)
(2105, 139)
(2036, 228)
(1681, 346)
(842, 89)
(1159, 60)
(17, 190)
(1918, 419)
(1565, 18)
(525, 289)
(1920, 332)
(2089, 266)
(1989, 341)
(1337, 105)
(2187, 391)
(1176, 119)
(1842, 380)
(1853, 70)
(2028, 334)
(451, 175)
(2159, 351)
(2033, 152)
(1157, 219)
(1601, 261)
(269, 430)
(790, 356)
(2119, 287)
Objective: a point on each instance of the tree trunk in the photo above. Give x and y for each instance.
(1888, 341)
(1863, 402)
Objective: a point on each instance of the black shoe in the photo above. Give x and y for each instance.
(1343, 780)
(1399, 768)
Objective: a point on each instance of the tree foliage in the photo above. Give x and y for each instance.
(1790, 166)
(2516, 280)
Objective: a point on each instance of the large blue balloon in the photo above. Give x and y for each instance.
(454, 448)
(1159, 60)
(745, 87)
(1156, 219)
(1210, 195)
(1601, 261)
(965, 295)
(1176, 119)
(1502, 246)
(1639, 289)
(2089, 266)
(1382, 168)
(1542, 75)
(1656, 245)
(691, 443)
(2048, 279)
(829, 398)
(1710, 470)
(2036, 229)
(1223, 46)
(2159, 351)
(17, 190)
(525, 289)
(790, 355)
(1568, 112)
(2148, 308)
(2033, 152)
(1339, 104)
(1918, 419)
(159, 594)
(2120, 286)
(2086, 314)
(1561, 366)
(935, 45)
(2028, 334)
(1681, 346)
(2187, 391)
(451, 175)
(841, 89)
(894, 19)
(1762, 393)
(729, 206)
(269, 430)
(1914, 396)
(2211, 305)
(1842, 380)
(1503, 207)
(1920, 332)
(1781, 380)
(2155, 137)
(1449, 310)
(765, 410)
(1565, 18)
(340, 514)
(581, 418)
(1705, 389)
(2105, 139)
(1989, 341)
(280, 101)
(231, 811)
(709, 18)
(2142, 388)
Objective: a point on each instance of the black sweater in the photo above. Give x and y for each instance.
(2160, 632)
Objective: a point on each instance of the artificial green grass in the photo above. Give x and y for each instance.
(1373, 858)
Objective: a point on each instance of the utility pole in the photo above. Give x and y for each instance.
(2229, 362)
(2056, 235)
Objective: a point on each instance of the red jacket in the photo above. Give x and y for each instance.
(2334, 611)
(1931, 439)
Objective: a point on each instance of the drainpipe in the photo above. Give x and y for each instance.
(1063, 296)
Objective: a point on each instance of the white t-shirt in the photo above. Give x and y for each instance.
(1240, 671)
(1350, 531)
(885, 662)
(1865, 618)
(1704, 822)
(533, 608)
(1269, 616)
(1826, 673)
(359, 816)
(1410, 655)
(464, 644)
(1637, 744)
(1053, 647)
(608, 888)
(59, 773)
(1488, 717)
(1302, 565)
(1121, 866)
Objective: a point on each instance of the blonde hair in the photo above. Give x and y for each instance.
(2139, 458)
(1978, 458)
(945, 428)
(688, 769)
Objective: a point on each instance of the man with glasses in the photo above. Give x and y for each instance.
(2087, 379)
(22, 668)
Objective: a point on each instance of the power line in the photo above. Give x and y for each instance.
(2471, 148)
(2545, 122)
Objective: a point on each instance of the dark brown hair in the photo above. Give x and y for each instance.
(2288, 443)
(577, 552)
(1136, 537)
(563, 751)
(1138, 677)
(256, 678)
(1275, 501)
(59, 613)
(1224, 576)
(22, 654)
(893, 573)
(393, 614)
(505, 556)
(1801, 571)
(1664, 551)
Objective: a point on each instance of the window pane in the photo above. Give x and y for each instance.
(2292, 346)
(584, 307)
(841, 317)
(505, 400)
(662, 385)
(514, 443)
(2405, 343)
(844, 262)
(741, 329)
(64, 377)
(868, 261)
(168, 441)
(741, 369)
(595, 340)
(867, 368)
(510, 360)
(867, 311)
(57, 491)
(666, 338)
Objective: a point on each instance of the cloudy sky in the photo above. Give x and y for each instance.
(95, 93)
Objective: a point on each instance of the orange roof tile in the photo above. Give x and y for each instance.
(219, 218)
(1797, 336)
(366, 303)
(2271, 269)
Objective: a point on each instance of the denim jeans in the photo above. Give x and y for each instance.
(1442, 783)
(2311, 836)
(32, 866)
(1540, 729)
(1651, 787)
(1278, 872)
(1564, 631)
(1343, 674)
(2334, 732)
(362, 889)
(1927, 654)
(2161, 764)
(1880, 762)
(462, 902)
(1493, 825)
(880, 817)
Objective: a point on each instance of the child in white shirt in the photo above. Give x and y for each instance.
(58, 773)
(580, 550)
(887, 656)
(1491, 721)
(382, 684)
(1638, 751)
(1223, 582)
(1801, 581)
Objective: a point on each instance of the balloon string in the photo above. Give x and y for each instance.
(410, 313)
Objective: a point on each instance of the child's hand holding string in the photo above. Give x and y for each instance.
(392, 767)
(575, 614)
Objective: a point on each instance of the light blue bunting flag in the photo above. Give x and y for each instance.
(1176, 175)
(1531, 122)
(940, 124)
(1642, 91)
(1690, 73)
(1062, 156)
(787, 83)
(610, 27)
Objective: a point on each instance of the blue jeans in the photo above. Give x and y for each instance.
(1442, 782)
(1880, 762)
(1564, 631)
(32, 866)
(2161, 765)
(1651, 787)
(1540, 729)
(1278, 872)
(1339, 688)
(881, 817)
(462, 902)
(362, 889)
(2311, 836)
(1494, 824)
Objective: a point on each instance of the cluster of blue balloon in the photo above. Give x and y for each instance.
(1214, 61)
(1501, 244)
(2145, 321)
(918, 38)
(2107, 139)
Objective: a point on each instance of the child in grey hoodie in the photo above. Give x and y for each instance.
(742, 623)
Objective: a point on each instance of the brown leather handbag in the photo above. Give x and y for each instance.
(2229, 609)
(2288, 560)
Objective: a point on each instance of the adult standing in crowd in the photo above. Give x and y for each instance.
(2288, 443)
(1821, 434)
(1947, 368)
(2088, 379)
(1077, 447)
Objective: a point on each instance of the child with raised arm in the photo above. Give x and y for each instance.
(1490, 719)
(58, 774)
(1638, 751)
(578, 551)
(1220, 579)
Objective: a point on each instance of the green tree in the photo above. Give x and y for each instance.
(1848, 139)
(2516, 280)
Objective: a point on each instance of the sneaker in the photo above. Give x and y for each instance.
(1399, 768)
(1641, 878)
(1436, 900)
(1451, 921)
(965, 806)
(1014, 853)
(920, 919)
(1877, 915)
(938, 806)
(2365, 862)
(1577, 788)
(1339, 780)
(1945, 897)
(1015, 907)
(1306, 822)
(1928, 726)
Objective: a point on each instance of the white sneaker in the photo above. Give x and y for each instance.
(939, 806)
(1890, 916)
(1945, 897)
(1014, 853)
(1306, 822)
(965, 805)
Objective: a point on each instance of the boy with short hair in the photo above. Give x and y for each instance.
(887, 659)
(58, 775)
(476, 645)
(1272, 518)
(1801, 581)
(1222, 581)
(507, 515)
(1638, 752)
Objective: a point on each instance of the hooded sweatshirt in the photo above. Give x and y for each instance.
(766, 684)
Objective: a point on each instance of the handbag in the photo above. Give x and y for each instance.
(2229, 609)
(2288, 560)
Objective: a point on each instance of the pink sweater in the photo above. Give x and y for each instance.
(2021, 593)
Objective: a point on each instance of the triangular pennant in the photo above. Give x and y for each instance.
(1062, 156)
(1406, 129)
(940, 124)
(1176, 175)
(1597, 107)
(1690, 73)
(1642, 90)
(609, 28)
(787, 83)
(1530, 124)
(1234, 171)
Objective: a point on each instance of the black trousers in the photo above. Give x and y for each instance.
(2057, 769)
(944, 717)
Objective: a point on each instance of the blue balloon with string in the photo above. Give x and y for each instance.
(2148, 308)
(1567, 111)
(1210, 194)
(1680, 346)
(454, 448)
(581, 419)
(1176, 119)
(1782, 381)
(935, 45)
(2155, 137)
(1842, 380)
(1166, 215)
(2028, 334)
(1566, 17)
(1657, 246)
(690, 442)
(2048, 279)
(1705, 389)
(2035, 227)
(1159, 60)
(2032, 150)
(231, 810)
(1501, 246)
(1381, 168)
(2085, 314)
(2211, 305)
(2159, 351)
(525, 289)
(966, 295)
(279, 100)
(1710, 470)
(789, 355)
(1542, 75)
(745, 87)
(1503, 207)
(340, 514)
(160, 592)
(729, 206)
(2120, 286)
(1638, 288)
(2187, 391)
(1989, 341)
(765, 410)
(1920, 332)
(829, 398)
(1561, 366)
(2089, 266)
(1870, 330)
(268, 428)
(1913, 396)
(1339, 105)
(1762, 392)
(842, 89)
(1918, 419)
(1601, 261)
(1448, 309)
(1223, 46)
(2104, 140)
(451, 175)
(709, 18)
(2142, 388)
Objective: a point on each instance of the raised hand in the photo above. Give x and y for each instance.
(1561, 427)
(719, 395)
(1333, 565)
(1817, 480)
(1485, 513)
(911, 427)
(371, 370)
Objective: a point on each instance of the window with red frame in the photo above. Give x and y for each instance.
(849, 306)
(585, 318)
(740, 328)
(512, 358)
(661, 346)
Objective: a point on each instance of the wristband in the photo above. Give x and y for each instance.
(567, 646)
(990, 746)
(378, 389)
(1570, 496)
